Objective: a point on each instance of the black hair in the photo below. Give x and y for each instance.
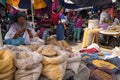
(18, 15)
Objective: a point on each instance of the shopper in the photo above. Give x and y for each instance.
(61, 27)
(78, 28)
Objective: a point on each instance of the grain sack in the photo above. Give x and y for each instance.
(37, 40)
(54, 67)
(24, 60)
(6, 68)
(83, 73)
(29, 66)
(8, 75)
(54, 72)
(102, 63)
(73, 62)
(49, 51)
(65, 45)
(102, 74)
(87, 38)
(6, 60)
(62, 44)
(29, 74)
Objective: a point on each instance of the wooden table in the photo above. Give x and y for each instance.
(108, 34)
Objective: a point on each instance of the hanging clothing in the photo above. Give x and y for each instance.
(38, 4)
(55, 4)
(13, 2)
(48, 3)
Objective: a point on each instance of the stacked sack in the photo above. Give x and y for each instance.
(7, 68)
(62, 44)
(54, 62)
(28, 64)
(75, 69)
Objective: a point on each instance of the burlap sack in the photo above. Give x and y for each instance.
(29, 66)
(54, 72)
(27, 60)
(54, 67)
(73, 62)
(6, 61)
(8, 75)
(83, 73)
(30, 74)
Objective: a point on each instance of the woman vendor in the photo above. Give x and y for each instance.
(20, 28)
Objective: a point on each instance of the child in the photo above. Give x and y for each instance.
(78, 27)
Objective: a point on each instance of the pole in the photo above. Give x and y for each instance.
(1, 42)
(32, 13)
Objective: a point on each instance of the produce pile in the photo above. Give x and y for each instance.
(38, 61)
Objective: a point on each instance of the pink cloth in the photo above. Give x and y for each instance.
(55, 4)
(89, 51)
(78, 23)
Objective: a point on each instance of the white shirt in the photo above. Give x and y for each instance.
(104, 17)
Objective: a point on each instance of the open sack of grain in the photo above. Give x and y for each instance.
(102, 74)
(75, 68)
(62, 44)
(54, 63)
(29, 65)
(7, 68)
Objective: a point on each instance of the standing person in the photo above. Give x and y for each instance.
(61, 27)
(78, 28)
(104, 16)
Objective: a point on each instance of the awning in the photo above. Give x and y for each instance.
(87, 3)
(3, 3)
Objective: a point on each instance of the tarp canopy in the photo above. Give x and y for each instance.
(87, 3)
(26, 4)
(3, 3)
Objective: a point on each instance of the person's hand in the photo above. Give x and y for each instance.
(30, 33)
(22, 30)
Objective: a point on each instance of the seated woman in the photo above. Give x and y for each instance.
(20, 28)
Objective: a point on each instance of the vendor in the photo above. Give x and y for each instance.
(104, 16)
(19, 27)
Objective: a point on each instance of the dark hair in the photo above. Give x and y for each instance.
(18, 15)
(59, 8)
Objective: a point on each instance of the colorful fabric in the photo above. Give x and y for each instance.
(25, 4)
(38, 4)
(13, 2)
(89, 51)
(41, 32)
(115, 61)
(48, 3)
(55, 4)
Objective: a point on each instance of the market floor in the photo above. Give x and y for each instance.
(77, 46)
